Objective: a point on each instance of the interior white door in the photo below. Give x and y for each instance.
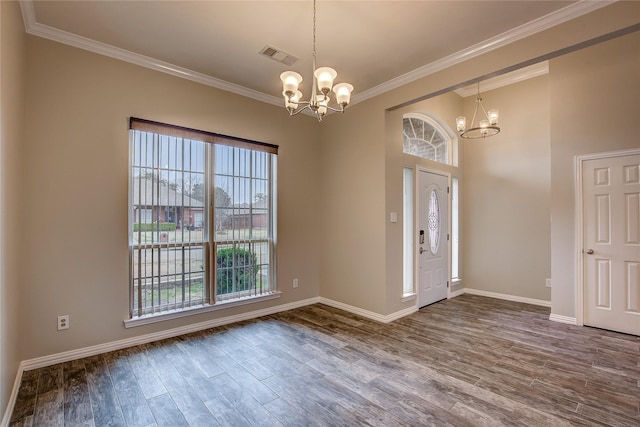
(611, 236)
(433, 242)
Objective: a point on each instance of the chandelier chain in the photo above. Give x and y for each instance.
(314, 34)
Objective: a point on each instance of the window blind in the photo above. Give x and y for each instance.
(199, 135)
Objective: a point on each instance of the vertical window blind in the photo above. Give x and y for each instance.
(201, 218)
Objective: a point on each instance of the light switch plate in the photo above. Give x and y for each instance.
(394, 216)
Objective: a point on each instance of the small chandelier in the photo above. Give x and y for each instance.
(485, 128)
(322, 84)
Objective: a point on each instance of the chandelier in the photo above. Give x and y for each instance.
(485, 128)
(318, 104)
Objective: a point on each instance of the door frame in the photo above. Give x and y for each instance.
(416, 227)
(579, 221)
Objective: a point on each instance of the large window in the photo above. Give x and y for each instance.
(201, 218)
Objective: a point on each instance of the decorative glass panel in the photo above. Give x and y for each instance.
(423, 137)
(434, 222)
(455, 230)
(408, 230)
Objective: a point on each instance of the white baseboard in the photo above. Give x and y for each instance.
(508, 297)
(41, 362)
(13, 397)
(80, 353)
(563, 319)
(456, 293)
(369, 314)
(400, 314)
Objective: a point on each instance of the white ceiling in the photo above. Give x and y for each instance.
(375, 45)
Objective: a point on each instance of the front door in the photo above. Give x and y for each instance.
(611, 237)
(433, 239)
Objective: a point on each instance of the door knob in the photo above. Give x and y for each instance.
(421, 249)
(590, 251)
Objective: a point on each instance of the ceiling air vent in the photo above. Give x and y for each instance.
(278, 55)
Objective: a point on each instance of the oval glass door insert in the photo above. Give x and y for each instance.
(434, 222)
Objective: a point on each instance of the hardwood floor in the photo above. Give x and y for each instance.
(469, 361)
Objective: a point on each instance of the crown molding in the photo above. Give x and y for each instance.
(28, 14)
(34, 28)
(550, 20)
(560, 16)
(522, 74)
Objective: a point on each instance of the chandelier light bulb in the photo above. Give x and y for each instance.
(291, 102)
(461, 123)
(325, 77)
(323, 103)
(484, 124)
(343, 93)
(493, 117)
(290, 82)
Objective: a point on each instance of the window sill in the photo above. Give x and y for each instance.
(176, 314)
(408, 297)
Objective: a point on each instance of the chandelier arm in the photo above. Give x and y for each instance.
(478, 101)
(337, 110)
(296, 112)
(484, 111)
(475, 112)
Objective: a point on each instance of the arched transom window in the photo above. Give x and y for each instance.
(424, 137)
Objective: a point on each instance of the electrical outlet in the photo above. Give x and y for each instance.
(63, 322)
(295, 283)
(548, 283)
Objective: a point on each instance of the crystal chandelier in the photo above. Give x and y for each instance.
(322, 84)
(485, 128)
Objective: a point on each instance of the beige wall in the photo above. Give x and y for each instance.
(12, 68)
(353, 257)
(595, 108)
(506, 195)
(75, 187)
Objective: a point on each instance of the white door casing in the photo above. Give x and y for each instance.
(609, 241)
(432, 241)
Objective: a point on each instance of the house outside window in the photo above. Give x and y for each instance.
(143, 216)
(201, 219)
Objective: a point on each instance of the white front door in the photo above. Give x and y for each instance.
(433, 241)
(611, 242)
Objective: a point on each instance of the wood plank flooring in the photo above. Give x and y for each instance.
(468, 361)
